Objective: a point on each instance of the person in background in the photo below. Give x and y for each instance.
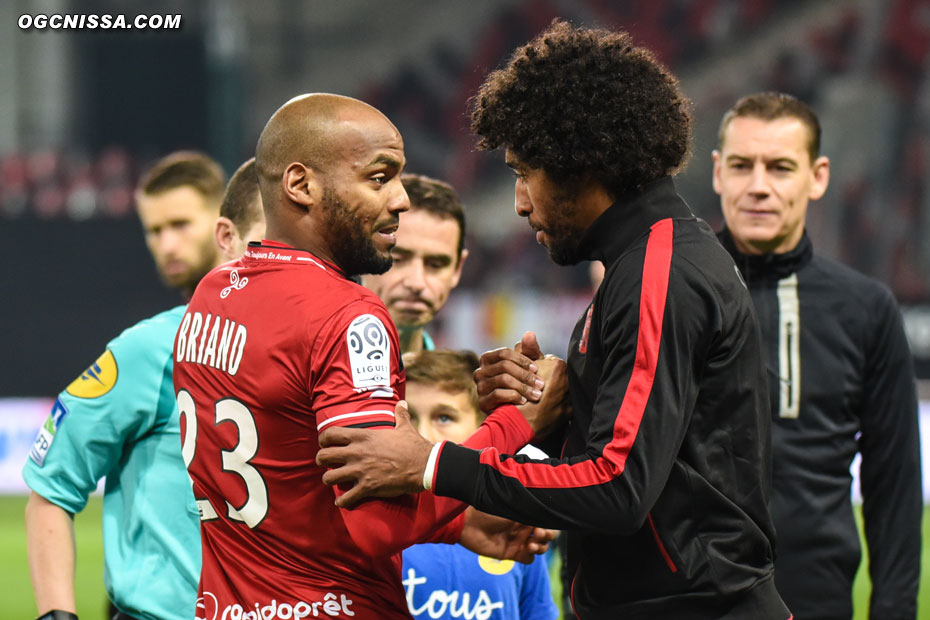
(118, 419)
(449, 581)
(428, 260)
(241, 218)
(839, 371)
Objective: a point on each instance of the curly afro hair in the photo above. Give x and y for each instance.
(586, 103)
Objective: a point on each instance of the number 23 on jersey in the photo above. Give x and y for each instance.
(235, 461)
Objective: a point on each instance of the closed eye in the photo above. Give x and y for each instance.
(400, 256)
(438, 262)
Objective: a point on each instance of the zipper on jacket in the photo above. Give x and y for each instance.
(789, 348)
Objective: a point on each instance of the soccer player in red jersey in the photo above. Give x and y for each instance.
(282, 344)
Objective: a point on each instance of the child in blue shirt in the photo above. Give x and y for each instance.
(449, 581)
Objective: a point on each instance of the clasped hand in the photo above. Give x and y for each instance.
(516, 376)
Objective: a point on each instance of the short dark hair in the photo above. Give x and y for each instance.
(769, 106)
(436, 197)
(186, 168)
(447, 370)
(580, 102)
(241, 200)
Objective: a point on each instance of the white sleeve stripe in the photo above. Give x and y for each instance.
(356, 414)
(430, 470)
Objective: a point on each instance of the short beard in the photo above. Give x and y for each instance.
(353, 250)
(208, 256)
(564, 235)
(566, 249)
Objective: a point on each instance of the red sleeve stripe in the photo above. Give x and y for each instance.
(611, 463)
(358, 417)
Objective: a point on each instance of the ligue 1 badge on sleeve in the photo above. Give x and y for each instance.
(369, 352)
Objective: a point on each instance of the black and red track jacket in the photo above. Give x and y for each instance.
(665, 474)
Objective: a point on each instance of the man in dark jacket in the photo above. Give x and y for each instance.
(664, 477)
(840, 374)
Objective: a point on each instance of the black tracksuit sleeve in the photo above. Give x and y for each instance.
(647, 321)
(890, 468)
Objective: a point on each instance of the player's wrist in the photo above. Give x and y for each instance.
(430, 470)
(57, 614)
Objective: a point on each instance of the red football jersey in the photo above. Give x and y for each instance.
(272, 349)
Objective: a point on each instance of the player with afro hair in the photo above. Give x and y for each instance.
(578, 102)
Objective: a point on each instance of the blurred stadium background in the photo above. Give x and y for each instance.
(82, 112)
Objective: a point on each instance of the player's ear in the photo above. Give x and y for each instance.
(225, 235)
(458, 268)
(820, 177)
(302, 185)
(718, 184)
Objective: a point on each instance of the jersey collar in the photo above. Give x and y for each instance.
(268, 251)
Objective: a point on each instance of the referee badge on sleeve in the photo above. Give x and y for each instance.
(97, 380)
(47, 433)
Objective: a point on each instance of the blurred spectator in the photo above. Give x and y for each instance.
(64, 183)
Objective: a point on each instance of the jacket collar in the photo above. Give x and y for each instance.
(630, 217)
(768, 266)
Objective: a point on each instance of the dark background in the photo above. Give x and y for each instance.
(88, 281)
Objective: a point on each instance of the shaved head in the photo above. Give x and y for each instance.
(307, 129)
(329, 174)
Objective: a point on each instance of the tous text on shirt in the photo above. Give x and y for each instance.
(220, 344)
(441, 602)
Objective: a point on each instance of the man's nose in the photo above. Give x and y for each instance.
(167, 243)
(759, 181)
(414, 275)
(521, 199)
(399, 202)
